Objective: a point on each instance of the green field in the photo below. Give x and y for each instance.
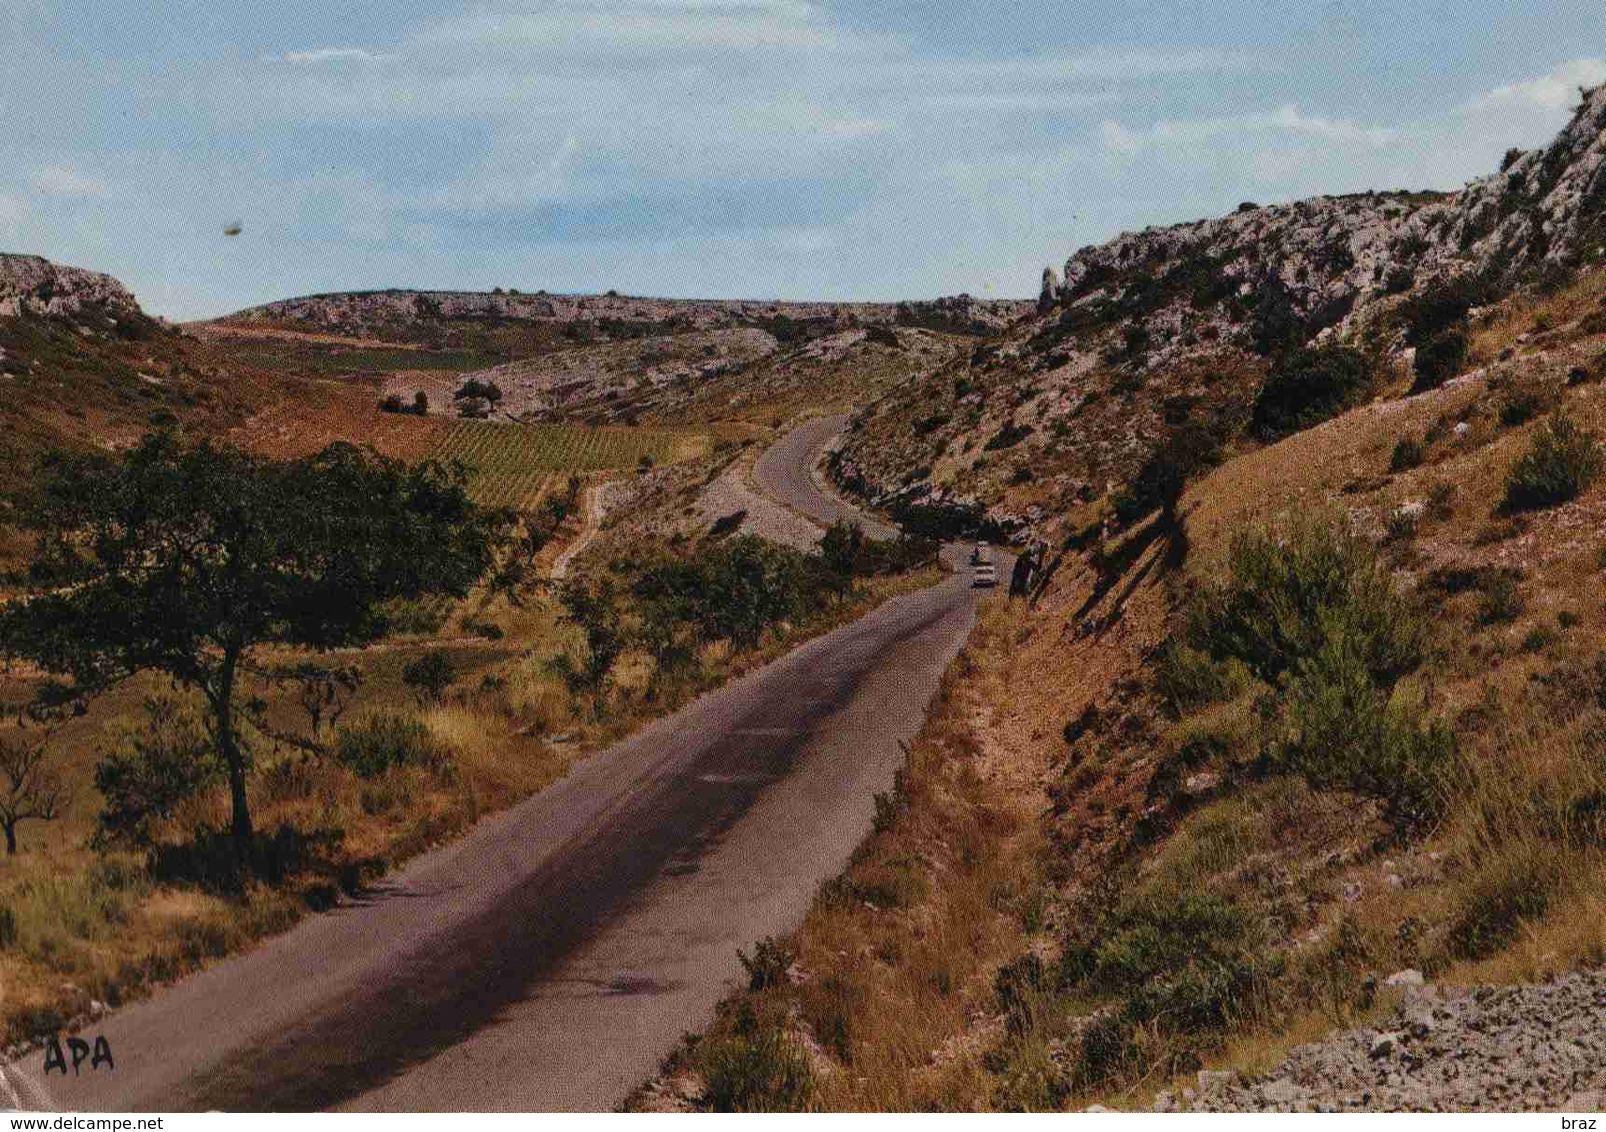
(512, 465)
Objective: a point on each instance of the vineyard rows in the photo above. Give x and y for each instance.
(513, 465)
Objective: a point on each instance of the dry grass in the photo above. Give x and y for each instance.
(1506, 886)
(91, 926)
(896, 955)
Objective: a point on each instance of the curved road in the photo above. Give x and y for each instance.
(549, 958)
(788, 472)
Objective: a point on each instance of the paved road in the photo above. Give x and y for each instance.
(549, 958)
(788, 472)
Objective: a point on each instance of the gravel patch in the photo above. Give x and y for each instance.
(1537, 1047)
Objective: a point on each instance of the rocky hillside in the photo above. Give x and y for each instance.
(82, 364)
(435, 315)
(1181, 325)
(31, 285)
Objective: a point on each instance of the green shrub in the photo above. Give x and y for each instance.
(1409, 452)
(757, 1067)
(1191, 678)
(1502, 599)
(1345, 731)
(1016, 987)
(1008, 436)
(371, 746)
(1401, 525)
(1438, 360)
(1538, 638)
(1106, 1052)
(1306, 387)
(1283, 598)
(769, 964)
(168, 758)
(1510, 891)
(1519, 406)
(429, 675)
(1562, 460)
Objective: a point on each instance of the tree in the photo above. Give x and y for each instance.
(322, 692)
(477, 398)
(593, 606)
(429, 675)
(421, 404)
(29, 790)
(184, 559)
(841, 548)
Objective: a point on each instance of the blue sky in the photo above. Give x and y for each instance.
(741, 148)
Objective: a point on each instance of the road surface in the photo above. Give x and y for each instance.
(788, 472)
(549, 958)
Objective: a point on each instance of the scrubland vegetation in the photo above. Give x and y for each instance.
(1356, 730)
(304, 692)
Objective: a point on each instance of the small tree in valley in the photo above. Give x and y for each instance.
(186, 559)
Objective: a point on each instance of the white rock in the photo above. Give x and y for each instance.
(1410, 977)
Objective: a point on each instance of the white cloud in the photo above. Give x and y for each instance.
(60, 181)
(1557, 90)
(1117, 138)
(620, 26)
(329, 55)
(1288, 119)
(13, 211)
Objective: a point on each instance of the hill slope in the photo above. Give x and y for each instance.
(1182, 324)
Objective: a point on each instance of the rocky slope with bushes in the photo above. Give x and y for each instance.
(1302, 720)
(1179, 327)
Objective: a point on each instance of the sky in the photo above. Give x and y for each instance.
(857, 149)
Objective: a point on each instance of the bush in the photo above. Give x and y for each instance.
(1191, 678)
(1306, 387)
(1345, 731)
(1401, 525)
(1442, 306)
(1438, 360)
(1519, 406)
(1282, 599)
(169, 758)
(1513, 889)
(727, 524)
(1502, 599)
(1562, 460)
(757, 1067)
(769, 964)
(1008, 436)
(1409, 452)
(371, 746)
(1016, 986)
(429, 675)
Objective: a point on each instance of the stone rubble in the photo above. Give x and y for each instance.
(1537, 1047)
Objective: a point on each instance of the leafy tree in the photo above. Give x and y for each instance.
(1305, 387)
(593, 606)
(169, 758)
(421, 404)
(477, 398)
(841, 549)
(185, 559)
(429, 675)
(29, 789)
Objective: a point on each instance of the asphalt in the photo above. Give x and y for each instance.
(789, 473)
(548, 959)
